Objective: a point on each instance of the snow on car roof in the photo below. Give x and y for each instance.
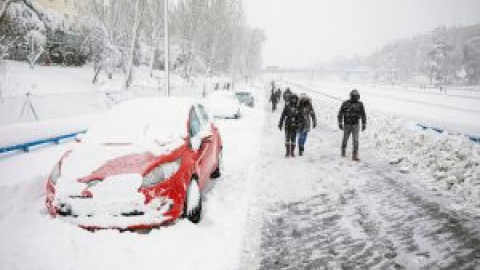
(144, 119)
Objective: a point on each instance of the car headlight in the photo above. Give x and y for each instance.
(161, 173)
(55, 174)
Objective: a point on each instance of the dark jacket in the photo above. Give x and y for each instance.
(286, 95)
(307, 112)
(351, 112)
(292, 117)
(275, 97)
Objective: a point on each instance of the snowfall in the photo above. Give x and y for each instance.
(412, 202)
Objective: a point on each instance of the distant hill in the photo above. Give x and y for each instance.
(442, 56)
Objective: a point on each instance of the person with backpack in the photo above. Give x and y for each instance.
(290, 121)
(307, 112)
(349, 116)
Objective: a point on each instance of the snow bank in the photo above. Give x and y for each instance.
(26, 132)
(452, 160)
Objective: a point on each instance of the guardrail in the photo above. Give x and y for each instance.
(25, 147)
(475, 139)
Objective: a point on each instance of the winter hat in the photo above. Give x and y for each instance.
(354, 95)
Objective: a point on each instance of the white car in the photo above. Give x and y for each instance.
(223, 104)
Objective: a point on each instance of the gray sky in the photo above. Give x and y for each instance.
(304, 32)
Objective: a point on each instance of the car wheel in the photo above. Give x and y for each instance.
(193, 202)
(217, 173)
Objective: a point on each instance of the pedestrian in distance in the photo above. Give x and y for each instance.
(274, 99)
(349, 116)
(309, 119)
(290, 121)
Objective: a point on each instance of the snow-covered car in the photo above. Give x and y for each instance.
(143, 165)
(246, 98)
(223, 104)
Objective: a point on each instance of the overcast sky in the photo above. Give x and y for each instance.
(305, 32)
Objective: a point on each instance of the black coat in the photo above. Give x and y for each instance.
(351, 112)
(292, 117)
(307, 113)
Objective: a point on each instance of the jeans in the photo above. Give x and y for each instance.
(347, 130)
(302, 138)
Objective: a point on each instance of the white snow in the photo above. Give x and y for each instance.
(446, 162)
(457, 111)
(33, 240)
(27, 132)
(143, 120)
(222, 104)
(451, 160)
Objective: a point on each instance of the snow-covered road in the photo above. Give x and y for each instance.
(319, 211)
(322, 211)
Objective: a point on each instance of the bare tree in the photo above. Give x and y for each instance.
(5, 4)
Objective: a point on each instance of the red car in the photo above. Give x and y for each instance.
(143, 165)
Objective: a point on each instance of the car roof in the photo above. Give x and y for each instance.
(178, 105)
(143, 118)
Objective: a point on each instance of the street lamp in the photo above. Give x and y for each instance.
(167, 51)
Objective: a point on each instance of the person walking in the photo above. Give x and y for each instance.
(286, 95)
(274, 99)
(307, 112)
(290, 121)
(349, 116)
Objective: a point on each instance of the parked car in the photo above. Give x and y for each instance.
(246, 98)
(143, 165)
(223, 104)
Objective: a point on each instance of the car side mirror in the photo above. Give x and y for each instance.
(206, 134)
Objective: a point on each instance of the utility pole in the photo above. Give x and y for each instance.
(167, 52)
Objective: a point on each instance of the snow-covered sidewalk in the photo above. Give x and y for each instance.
(322, 211)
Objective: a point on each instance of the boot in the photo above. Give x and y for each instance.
(300, 150)
(344, 153)
(355, 157)
(292, 150)
(287, 153)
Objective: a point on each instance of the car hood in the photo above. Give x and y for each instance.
(89, 162)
